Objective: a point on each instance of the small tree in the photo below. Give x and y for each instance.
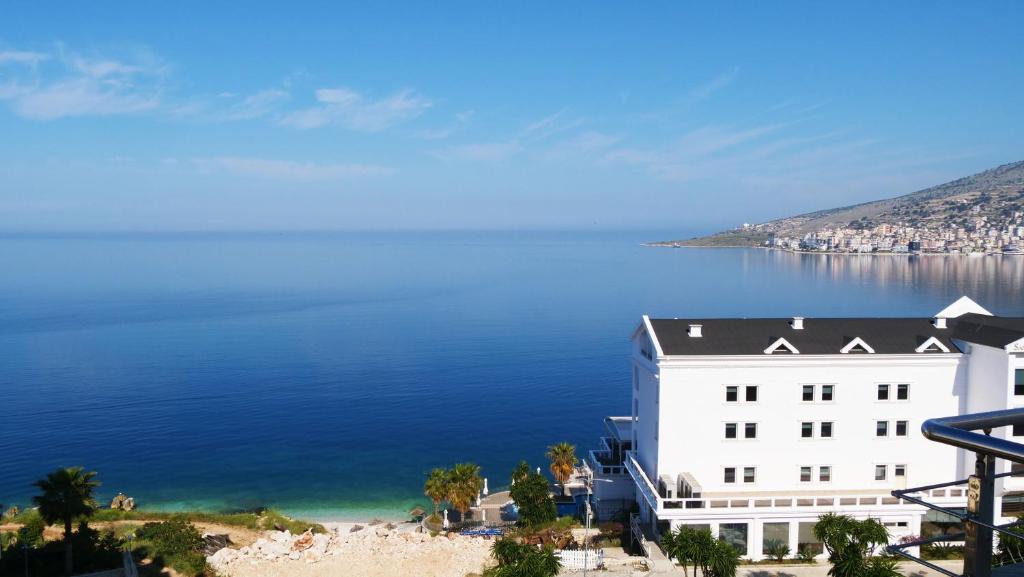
(522, 560)
(697, 547)
(563, 462)
(66, 495)
(850, 544)
(531, 495)
(437, 487)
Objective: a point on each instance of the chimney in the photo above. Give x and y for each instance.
(695, 331)
(939, 322)
(797, 323)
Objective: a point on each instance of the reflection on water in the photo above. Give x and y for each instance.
(328, 373)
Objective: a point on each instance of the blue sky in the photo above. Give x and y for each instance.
(241, 116)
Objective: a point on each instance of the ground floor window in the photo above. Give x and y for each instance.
(734, 534)
(806, 541)
(775, 538)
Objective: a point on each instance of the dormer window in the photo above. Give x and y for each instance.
(781, 346)
(932, 345)
(857, 345)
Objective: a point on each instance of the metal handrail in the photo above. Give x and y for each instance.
(960, 431)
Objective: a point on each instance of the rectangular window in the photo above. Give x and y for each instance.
(882, 429)
(880, 472)
(734, 534)
(730, 430)
(732, 394)
(1018, 430)
(805, 474)
(750, 431)
(902, 392)
(883, 392)
(806, 541)
(749, 474)
(901, 428)
(1018, 382)
(1017, 470)
(806, 430)
(827, 391)
(773, 535)
(751, 393)
(826, 430)
(808, 393)
(899, 471)
(730, 475)
(825, 474)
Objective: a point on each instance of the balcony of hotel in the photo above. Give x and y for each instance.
(609, 458)
(682, 497)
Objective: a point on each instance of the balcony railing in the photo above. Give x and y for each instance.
(606, 460)
(713, 504)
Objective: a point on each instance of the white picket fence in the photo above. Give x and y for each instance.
(574, 560)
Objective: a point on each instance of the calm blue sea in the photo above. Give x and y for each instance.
(324, 374)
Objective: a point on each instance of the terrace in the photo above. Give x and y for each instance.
(609, 458)
(682, 497)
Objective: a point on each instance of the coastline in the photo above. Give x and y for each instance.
(833, 253)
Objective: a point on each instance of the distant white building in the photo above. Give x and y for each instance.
(755, 427)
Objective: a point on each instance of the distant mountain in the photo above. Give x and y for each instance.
(994, 193)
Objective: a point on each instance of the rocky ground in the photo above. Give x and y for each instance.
(349, 549)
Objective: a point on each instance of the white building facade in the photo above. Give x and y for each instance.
(755, 427)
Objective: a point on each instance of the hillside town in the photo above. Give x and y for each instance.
(980, 235)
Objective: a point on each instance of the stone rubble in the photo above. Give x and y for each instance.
(377, 550)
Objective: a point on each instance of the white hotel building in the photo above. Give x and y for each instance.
(755, 427)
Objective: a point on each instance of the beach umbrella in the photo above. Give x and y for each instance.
(485, 486)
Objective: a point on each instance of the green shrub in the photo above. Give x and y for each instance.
(942, 551)
(807, 553)
(31, 531)
(776, 549)
(175, 543)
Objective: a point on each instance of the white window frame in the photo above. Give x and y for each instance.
(887, 429)
(885, 473)
(830, 472)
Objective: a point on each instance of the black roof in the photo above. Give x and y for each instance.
(827, 336)
(988, 330)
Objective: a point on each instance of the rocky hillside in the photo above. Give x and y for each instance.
(994, 193)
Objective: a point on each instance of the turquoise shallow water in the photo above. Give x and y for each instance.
(324, 374)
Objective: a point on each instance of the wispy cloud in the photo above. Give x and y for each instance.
(549, 126)
(78, 85)
(256, 105)
(348, 108)
(707, 89)
(461, 119)
(22, 57)
(289, 170)
(582, 145)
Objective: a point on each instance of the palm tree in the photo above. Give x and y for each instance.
(465, 484)
(437, 487)
(563, 462)
(850, 544)
(66, 495)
